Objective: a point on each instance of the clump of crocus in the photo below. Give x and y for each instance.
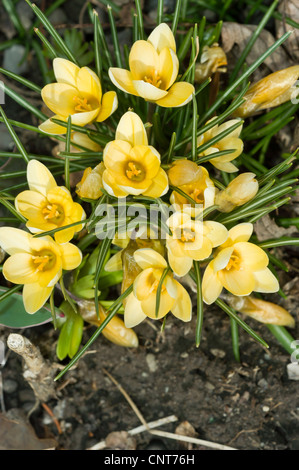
(131, 165)
(239, 191)
(231, 142)
(191, 240)
(213, 59)
(154, 67)
(194, 181)
(270, 91)
(77, 93)
(238, 266)
(90, 186)
(47, 206)
(142, 302)
(36, 262)
(262, 310)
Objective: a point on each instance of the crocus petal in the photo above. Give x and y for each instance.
(122, 79)
(222, 258)
(39, 178)
(226, 125)
(161, 37)
(217, 233)
(64, 236)
(237, 282)
(133, 314)
(182, 308)
(147, 258)
(35, 296)
(30, 204)
(240, 233)
(168, 67)
(180, 265)
(211, 286)
(59, 97)
(228, 167)
(115, 155)
(82, 119)
(14, 240)
(265, 281)
(251, 256)
(148, 91)
(178, 95)
(131, 129)
(20, 269)
(108, 106)
(49, 127)
(65, 71)
(110, 185)
(143, 283)
(143, 59)
(159, 186)
(88, 84)
(148, 305)
(71, 256)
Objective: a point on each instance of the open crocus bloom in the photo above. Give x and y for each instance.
(238, 266)
(231, 141)
(47, 206)
(37, 263)
(77, 93)
(132, 166)
(191, 240)
(141, 303)
(195, 182)
(154, 67)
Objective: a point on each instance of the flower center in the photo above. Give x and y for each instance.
(234, 262)
(197, 195)
(82, 104)
(53, 213)
(135, 171)
(44, 261)
(185, 235)
(155, 79)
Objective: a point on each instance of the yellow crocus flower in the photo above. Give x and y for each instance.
(37, 263)
(91, 185)
(131, 165)
(272, 90)
(191, 240)
(231, 141)
(141, 303)
(77, 93)
(239, 191)
(194, 181)
(47, 206)
(213, 59)
(154, 67)
(238, 266)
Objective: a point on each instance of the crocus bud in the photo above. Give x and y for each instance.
(261, 310)
(239, 191)
(270, 91)
(213, 59)
(90, 186)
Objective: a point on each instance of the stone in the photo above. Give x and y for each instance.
(13, 59)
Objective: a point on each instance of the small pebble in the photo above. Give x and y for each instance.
(293, 371)
(151, 362)
(266, 409)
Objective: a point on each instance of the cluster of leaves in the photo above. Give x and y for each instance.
(173, 131)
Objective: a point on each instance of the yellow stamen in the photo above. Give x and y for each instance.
(53, 211)
(134, 172)
(155, 285)
(82, 104)
(41, 262)
(155, 79)
(234, 262)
